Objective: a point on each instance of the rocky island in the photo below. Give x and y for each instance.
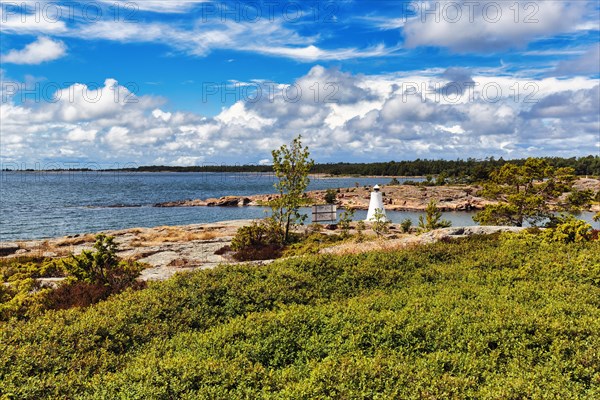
(396, 198)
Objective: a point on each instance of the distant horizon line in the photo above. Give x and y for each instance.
(256, 167)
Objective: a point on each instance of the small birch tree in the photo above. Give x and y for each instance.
(291, 166)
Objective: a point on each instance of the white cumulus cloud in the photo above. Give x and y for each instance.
(44, 49)
(374, 120)
(489, 26)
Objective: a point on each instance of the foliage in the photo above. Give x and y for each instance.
(441, 179)
(597, 216)
(461, 171)
(394, 182)
(345, 219)
(524, 193)
(405, 225)
(21, 299)
(312, 244)
(433, 218)
(291, 166)
(381, 224)
(330, 196)
(90, 277)
(102, 266)
(479, 318)
(258, 241)
(19, 268)
(569, 230)
(579, 199)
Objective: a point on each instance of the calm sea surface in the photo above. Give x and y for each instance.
(48, 204)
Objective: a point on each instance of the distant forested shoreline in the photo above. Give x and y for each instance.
(470, 169)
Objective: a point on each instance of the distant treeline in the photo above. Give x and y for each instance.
(469, 169)
(461, 170)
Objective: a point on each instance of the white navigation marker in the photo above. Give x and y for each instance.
(376, 202)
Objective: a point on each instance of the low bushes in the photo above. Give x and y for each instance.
(512, 317)
(89, 278)
(258, 241)
(569, 230)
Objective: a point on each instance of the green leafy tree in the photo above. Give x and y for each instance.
(524, 193)
(394, 182)
(291, 166)
(597, 216)
(433, 218)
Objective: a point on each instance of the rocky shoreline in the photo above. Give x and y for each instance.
(395, 198)
(167, 250)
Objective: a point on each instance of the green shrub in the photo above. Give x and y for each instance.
(330, 196)
(433, 218)
(258, 241)
(90, 277)
(360, 230)
(102, 266)
(405, 225)
(569, 230)
(579, 199)
(311, 244)
(381, 225)
(345, 221)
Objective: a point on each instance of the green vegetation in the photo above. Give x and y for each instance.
(345, 220)
(291, 166)
(405, 225)
(268, 238)
(579, 199)
(569, 230)
(465, 171)
(481, 318)
(89, 278)
(433, 218)
(380, 225)
(313, 242)
(102, 266)
(525, 193)
(261, 240)
(498, 317)
(330, 196)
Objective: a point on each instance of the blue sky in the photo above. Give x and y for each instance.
(194, 82)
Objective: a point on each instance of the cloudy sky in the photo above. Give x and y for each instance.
(200, 82)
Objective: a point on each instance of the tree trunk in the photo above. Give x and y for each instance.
(287, 229)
